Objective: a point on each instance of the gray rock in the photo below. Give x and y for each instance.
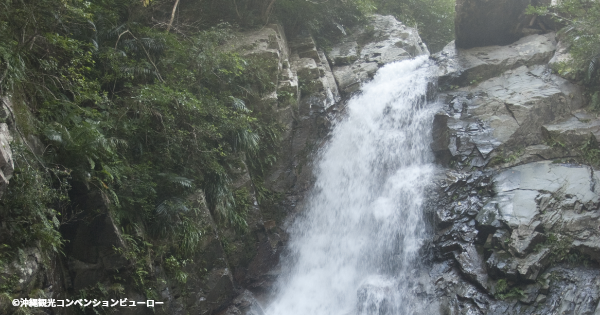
(472, 265)
(6, 161)
(441, 138)
(504, 264)
(356, 58)
(501, 264)
(305, 47)
(488, 218)
(523, 239)
(506, 113)
(530, 267)
(531, 293)
(500, 239)
(350, 77)
(464, 66)
(26, 271)
(505, 109)
(344, 53)
(306, 68)
(574, 130)
(244, 304)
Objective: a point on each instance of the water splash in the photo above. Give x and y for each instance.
(362, 227)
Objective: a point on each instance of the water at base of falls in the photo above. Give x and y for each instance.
(359, 235)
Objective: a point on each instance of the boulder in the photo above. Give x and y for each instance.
(344, 54)
(484, 23)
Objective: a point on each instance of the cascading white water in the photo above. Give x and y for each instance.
(362, 227)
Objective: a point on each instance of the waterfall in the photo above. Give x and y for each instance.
(358, 237)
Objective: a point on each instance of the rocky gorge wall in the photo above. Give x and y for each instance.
(514, 210)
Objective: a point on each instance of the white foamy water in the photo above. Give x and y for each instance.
(362, 228)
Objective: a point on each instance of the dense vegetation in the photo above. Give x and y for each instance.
(114, 114)
(433, 18)
(328, 20)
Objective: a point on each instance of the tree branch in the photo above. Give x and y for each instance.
(172, 15)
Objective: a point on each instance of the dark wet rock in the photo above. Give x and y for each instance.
(472, 265)
(441, 139)
(488, 218)
(505, 118)
(484, 23)
(244, 304)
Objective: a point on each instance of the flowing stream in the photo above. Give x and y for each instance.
(356, 242)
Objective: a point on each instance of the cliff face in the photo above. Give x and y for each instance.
(515, 211)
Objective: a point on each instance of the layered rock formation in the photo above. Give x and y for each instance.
(516, 213)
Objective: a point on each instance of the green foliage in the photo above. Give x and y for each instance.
(536, 10)
(433, 18)
(514, 293)
(325, 20)
(503, 291)
(581, 19)
(175, 268)
(595, 101)
(561, 251)
(590, 152)
(328, 20)
(501, 286)
(138, 116)
(26, 206)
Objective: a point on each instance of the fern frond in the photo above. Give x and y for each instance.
(239, 105)
(179, 180)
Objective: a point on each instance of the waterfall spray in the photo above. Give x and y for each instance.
(362, 228)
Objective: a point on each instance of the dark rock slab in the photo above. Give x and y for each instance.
(485, 23)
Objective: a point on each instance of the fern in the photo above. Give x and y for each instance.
(178, 180)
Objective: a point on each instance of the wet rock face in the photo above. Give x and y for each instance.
(483, 23)
(506, 112)
(514, 223)
(357, 57)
